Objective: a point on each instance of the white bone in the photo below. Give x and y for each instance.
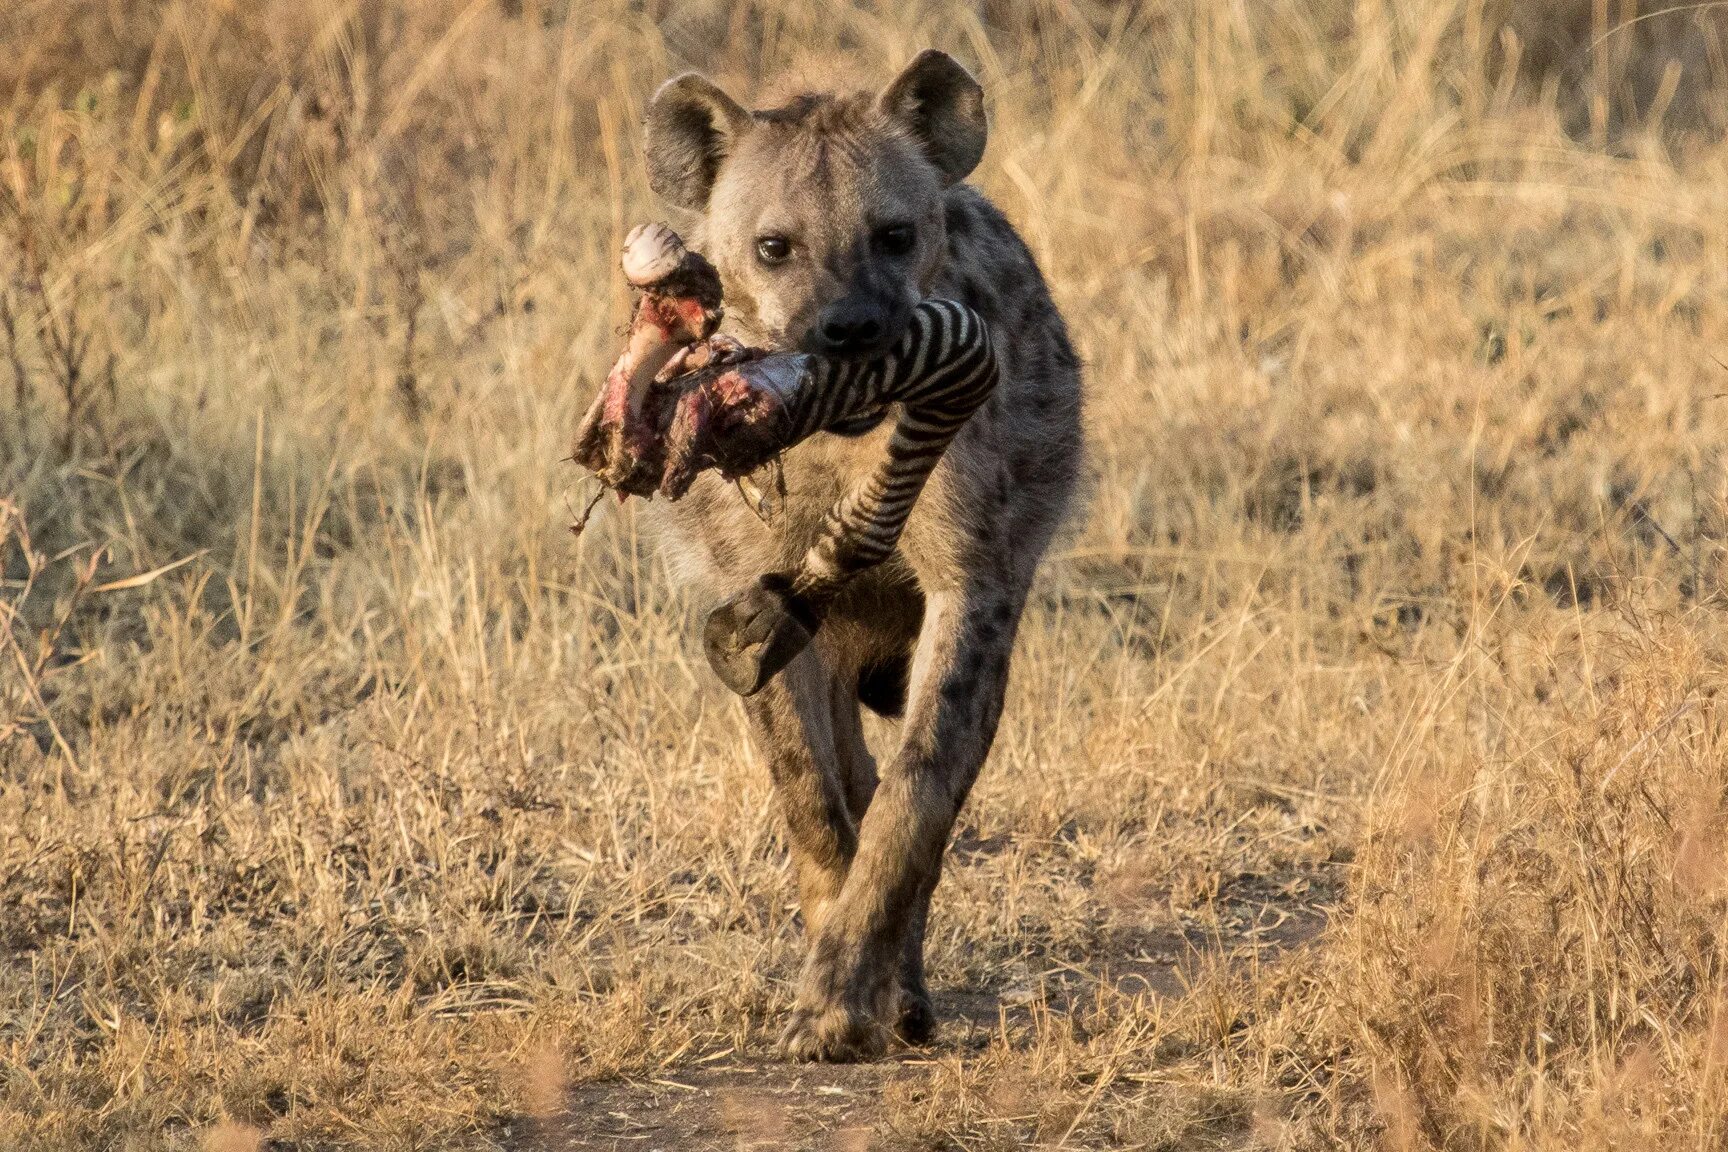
(652, 252)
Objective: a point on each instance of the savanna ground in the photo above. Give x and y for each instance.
(1362, 781)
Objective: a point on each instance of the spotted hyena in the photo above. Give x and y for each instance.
(829, 217)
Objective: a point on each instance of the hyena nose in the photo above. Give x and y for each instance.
(847, 328)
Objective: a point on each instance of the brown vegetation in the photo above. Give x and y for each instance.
(345, 800)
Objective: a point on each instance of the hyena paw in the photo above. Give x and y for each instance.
(917, 1022)
(833, 1035)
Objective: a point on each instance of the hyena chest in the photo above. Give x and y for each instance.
(724, 535)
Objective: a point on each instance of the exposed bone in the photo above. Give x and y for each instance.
(652, 253)
(680, 306)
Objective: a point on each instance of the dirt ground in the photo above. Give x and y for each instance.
(721, 1102)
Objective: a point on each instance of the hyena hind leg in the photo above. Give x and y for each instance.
(916, 1016)
(883, 684)
(851, 751)
(792, 722)
(917, 1013)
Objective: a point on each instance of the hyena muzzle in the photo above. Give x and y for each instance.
(830, 218)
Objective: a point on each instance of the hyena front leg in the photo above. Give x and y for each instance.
(792, 724)
(847, 991)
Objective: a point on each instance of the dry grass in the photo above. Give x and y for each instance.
(394, 815)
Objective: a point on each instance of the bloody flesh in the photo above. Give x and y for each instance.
(680, 399)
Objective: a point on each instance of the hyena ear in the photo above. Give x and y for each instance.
(692, 126)
(944, 107)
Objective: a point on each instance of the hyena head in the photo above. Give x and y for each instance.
(824, 215)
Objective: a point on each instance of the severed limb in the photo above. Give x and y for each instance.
(681, 401)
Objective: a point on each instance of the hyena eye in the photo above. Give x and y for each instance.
(895, 239)
(773, 249)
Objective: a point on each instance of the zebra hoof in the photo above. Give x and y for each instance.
(755, 634)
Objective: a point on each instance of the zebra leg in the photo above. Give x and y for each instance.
(754, 634)
(758, 632)
(943, 371)
(847, 991)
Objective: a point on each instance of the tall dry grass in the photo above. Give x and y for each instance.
(392, 808)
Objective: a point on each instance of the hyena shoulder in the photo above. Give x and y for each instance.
(990, 269)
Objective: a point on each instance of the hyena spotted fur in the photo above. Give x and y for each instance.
(830, 217)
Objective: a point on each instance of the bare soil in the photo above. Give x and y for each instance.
(737, 1102)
